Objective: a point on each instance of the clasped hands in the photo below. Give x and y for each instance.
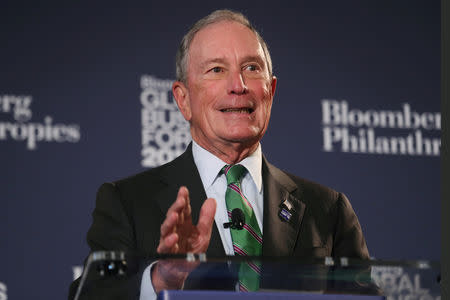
(179, 236)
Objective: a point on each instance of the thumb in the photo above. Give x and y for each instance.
(206, 219)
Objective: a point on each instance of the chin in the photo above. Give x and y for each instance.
(246, 135)
(243, 139)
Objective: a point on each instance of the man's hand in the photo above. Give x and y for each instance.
(179, 235)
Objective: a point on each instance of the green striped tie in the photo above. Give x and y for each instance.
(248, 241)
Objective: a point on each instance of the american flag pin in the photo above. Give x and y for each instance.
(285, 215)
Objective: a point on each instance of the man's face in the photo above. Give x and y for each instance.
(229, 92)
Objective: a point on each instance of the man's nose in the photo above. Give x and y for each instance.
(236, 83)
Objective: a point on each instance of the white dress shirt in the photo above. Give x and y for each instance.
(215, 185)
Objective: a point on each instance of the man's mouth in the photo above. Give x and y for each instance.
(238, 110)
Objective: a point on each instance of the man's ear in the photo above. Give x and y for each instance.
(181, 94)
(274, 85)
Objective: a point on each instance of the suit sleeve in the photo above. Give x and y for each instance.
(111, 229)
(349, 242)
(348, 236)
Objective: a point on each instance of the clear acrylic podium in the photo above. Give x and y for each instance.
(117, 275)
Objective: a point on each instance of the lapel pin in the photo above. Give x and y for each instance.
(286, 210)
(287, 204)
(285, 214)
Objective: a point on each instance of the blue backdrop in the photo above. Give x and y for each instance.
(84, 99)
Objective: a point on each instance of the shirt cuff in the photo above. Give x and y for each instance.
(147, 290)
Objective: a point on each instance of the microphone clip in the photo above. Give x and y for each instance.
(237, 220)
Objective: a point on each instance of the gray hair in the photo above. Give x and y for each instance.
(214, 17)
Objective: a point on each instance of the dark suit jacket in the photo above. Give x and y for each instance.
(129, 212)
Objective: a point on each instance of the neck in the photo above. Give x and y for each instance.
(231, 153)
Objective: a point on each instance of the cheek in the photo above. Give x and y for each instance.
(209, 95)
(261, 88)
(266, 102)
(264, 94)
(203, 105)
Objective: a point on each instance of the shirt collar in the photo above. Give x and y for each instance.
(209, 165)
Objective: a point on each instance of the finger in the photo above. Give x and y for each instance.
(169, 224)
(187, 209)
(175, 216)
(175, 213)
(168, 244)
(180, 202)
(206, 219)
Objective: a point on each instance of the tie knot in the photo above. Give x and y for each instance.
(234, 173)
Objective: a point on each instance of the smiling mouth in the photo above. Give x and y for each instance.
(237, 110)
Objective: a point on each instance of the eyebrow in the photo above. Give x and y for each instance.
(247, 58)
(214, 60)
(256, 58)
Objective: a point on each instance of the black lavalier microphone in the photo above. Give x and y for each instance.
(237, 220)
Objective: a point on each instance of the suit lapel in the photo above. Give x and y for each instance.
(183, 172)
(280, 236)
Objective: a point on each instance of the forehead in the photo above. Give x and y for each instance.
(224, 39)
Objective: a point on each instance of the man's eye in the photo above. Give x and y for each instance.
(252, 68)
(216, 69)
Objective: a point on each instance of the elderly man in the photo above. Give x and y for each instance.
(224, 89)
